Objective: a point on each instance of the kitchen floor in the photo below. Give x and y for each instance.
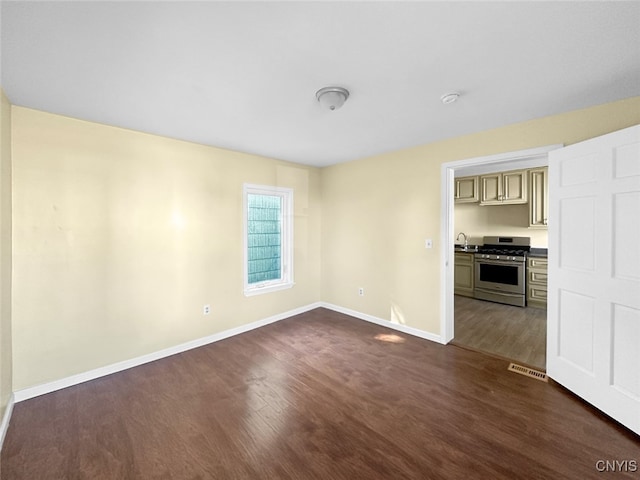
(515, 333)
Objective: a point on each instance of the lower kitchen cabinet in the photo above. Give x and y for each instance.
(537, 282)
(463, 274)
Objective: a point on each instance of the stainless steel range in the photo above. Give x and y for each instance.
(500, 274)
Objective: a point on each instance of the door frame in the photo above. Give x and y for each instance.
(529, 158)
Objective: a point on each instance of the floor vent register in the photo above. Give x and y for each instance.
(528, 372)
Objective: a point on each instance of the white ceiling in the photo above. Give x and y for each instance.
(243, 75)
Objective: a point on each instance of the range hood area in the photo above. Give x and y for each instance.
(504, 203)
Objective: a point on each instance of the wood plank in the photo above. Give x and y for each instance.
(320, 395)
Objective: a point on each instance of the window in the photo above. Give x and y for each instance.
(268, 245)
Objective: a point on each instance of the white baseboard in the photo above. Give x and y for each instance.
(4, 426)
(49, 387)
(385, 323)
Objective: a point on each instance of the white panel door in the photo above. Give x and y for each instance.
(593, 340)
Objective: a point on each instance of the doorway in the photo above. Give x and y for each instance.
(503, 330)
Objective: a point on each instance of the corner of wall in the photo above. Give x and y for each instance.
(6, 355)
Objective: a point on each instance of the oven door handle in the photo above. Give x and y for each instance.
(498, 262)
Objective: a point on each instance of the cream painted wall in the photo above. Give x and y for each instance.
(6, 362)
(377, 212)
(477, 221)
(121, 237)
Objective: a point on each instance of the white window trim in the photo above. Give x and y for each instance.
(286, 280)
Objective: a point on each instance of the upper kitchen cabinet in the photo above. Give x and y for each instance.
(466, 190)
(539, 201)
(504, 188)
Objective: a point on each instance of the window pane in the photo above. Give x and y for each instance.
(264, 223)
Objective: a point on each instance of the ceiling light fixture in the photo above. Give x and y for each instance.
(332, 97)
(449, 97)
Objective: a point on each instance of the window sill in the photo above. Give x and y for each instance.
(252, 291)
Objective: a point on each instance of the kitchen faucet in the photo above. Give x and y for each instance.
(465, 239)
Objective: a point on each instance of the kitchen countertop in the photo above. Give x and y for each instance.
(538, 252)
(469, 249)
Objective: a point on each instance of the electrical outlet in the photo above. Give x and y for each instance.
(361, 291)
(428, 243)
(206, 310)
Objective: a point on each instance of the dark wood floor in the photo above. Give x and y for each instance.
(515, 333)
(317, 396)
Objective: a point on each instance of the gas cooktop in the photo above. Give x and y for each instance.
(505, 248)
